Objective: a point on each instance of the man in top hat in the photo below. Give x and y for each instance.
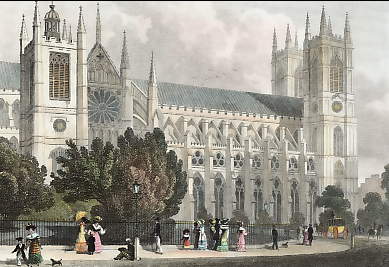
(19, 249)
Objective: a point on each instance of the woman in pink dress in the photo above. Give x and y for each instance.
(96, 230)
(241, 245)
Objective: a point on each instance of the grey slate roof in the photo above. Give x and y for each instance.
(194, 96)
(9, 75)
(229, 100)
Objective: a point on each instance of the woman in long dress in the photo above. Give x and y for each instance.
(34, 245)
(203, 236)
(241, 245)
(305, 240)
(96, 230)
(81, 245)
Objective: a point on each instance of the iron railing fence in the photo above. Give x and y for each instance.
(66, 232)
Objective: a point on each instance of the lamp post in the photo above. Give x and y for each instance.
(136, 191)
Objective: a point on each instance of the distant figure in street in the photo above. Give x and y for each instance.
(241, 245)
(305, 233)
(310, 234)
(186, 238)
(217, 235)
(298, 233)
(379, 231)
(196, 230)
(157, 235)
(274, 234)
(202, 245)
(91, 244)
(212, 233)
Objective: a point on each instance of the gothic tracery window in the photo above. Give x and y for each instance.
(338, 141)
(256, 161)
(258, 197)
(336, 76)
(218, 160)
(238, 161)
(218, 191)
(198, 195)
(59, 76)
(295, 197)
(293, 163)
(275, 164)
(311, 165)
(239, 194)
(198, 159)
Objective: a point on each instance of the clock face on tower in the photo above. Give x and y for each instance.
(337, 106)
(104, 106)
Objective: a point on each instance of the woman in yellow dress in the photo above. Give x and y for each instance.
(81, 246)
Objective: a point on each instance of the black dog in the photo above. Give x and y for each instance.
(284, 245)
(54, 262)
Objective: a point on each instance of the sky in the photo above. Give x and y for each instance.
(228, 45)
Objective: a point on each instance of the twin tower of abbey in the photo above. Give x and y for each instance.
(241, 150)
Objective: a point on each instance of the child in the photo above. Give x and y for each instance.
(186, 238)
(91, 244)
(19, 249)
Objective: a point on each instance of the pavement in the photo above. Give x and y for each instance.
(68, 255)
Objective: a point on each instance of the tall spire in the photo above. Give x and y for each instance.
(152, 76)
(274, 50)
(296, 43)
(288, 40)
(347, 30)
(81, 25)
(35, 21)
(323, 23)
(98, 25)
(64, 31)
(125, 61)
(307, 28)
(70, 37)
(329, 27)
(23, 30)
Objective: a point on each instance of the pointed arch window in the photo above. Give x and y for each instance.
(295, 197)
(336, 75)
(258, 197)
(239, 194)
(338, 141)
(198, 195)
(218, 191)
(59, 76)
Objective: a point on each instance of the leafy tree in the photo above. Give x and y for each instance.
(385, 181)
(373, 211)
(332, 199)
(107, 174)
(22, 187)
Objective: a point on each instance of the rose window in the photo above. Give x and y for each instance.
(238, 161)
(256, 161)
(198, 159)
(218, 160)
(104, 106)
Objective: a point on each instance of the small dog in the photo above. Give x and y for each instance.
(54, 262)
(284, 245)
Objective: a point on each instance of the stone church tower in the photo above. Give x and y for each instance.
(53, 95)
(286, 67)
(330, 125)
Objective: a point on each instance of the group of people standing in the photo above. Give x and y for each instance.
(34, 248)
(219, 235)
(88, 241)
(305, 235)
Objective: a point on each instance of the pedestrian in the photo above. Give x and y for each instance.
(186, 238)
(81, 245)
(224, 235)
(126, 253)
(217, 236)
(298, 233)
(310, 234)
(19, 249)
(305, 233)
(212, 233)
(241, 245)
(33, 242)
(91, 243)
(202, 245)
(96, 230)
(274, 234)
(157, 235)
(196, 230)
(379, 231)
